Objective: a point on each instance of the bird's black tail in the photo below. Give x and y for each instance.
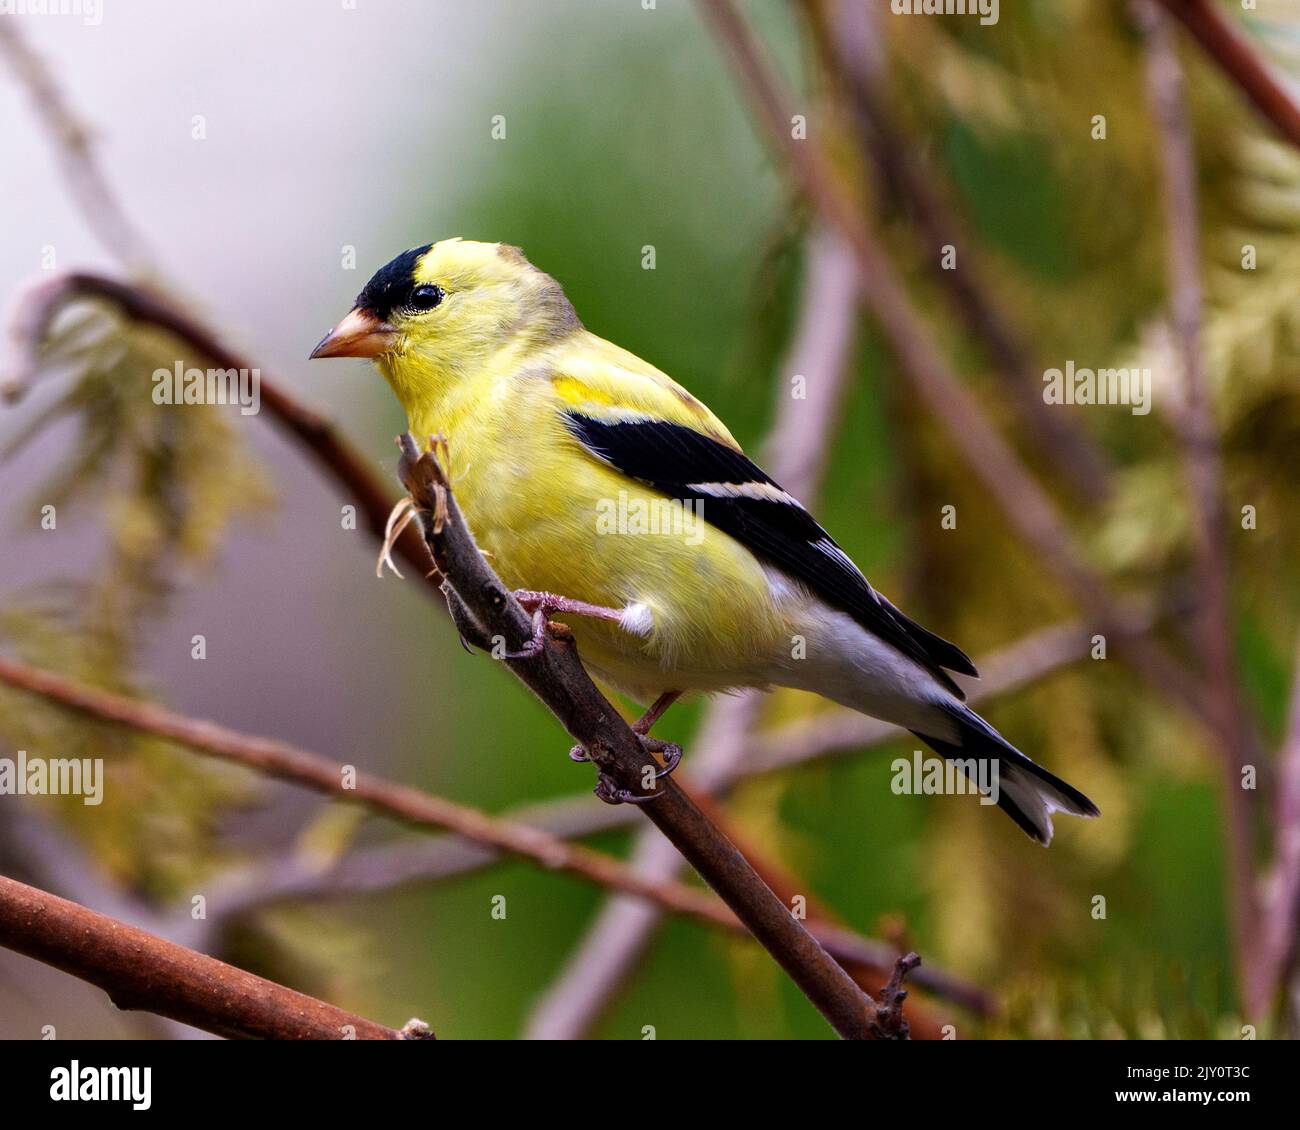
(1026, 792)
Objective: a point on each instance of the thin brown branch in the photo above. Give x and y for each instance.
(850, 45)
(1233, 54)
(39, 306)
(1222, 690)
(557, 677)
(406, 805)
(1022, 499)
(141, 971)
(286, 762)
(835, 733)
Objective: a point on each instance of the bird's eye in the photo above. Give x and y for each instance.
(426, 297)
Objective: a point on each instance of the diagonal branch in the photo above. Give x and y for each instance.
(557, 677)
(141, 971)
(849, 41)
(407, 805)
(72, 140)
(1233, 54)
(1021, 497)
(38, 307)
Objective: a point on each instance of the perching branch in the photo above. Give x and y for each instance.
(141, 971)
(820, 350)
(557, 677)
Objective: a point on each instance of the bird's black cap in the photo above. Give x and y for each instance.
(391, 285)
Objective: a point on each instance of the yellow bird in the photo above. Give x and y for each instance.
(588, 474)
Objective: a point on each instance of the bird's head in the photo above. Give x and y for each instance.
(436, 312)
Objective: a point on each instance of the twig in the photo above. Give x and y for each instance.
(286, 762)
(1234, 55)
(141, 971)
(38, 307)
(406, 805)
(852, 48)
(72, 140)
(1022, 499)
(1214, 631)
(557, 677)
(889, 1023)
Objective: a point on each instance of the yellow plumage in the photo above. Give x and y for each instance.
(587, 473)
(532, 495)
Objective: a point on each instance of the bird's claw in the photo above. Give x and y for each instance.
(537, 644)
(671, 751)
(611, 793)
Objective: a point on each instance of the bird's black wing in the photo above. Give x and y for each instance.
(737, 497)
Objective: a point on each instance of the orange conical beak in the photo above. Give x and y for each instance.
(360, 334)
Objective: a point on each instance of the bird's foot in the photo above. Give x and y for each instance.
(542, 605)
(612, 793)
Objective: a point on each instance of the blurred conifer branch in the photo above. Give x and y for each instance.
(847, 36)
(1198, 430)
(1024, 502)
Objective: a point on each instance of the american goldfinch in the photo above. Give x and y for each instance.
(564, 448)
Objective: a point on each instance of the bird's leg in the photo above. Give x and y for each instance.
(542, 605)
(657, 710)
(610, 793)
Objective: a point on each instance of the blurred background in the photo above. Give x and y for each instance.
(272, 157)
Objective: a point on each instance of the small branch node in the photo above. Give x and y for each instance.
(889, 1022)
